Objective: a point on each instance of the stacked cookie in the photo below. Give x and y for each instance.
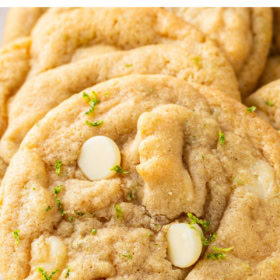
(125, 150)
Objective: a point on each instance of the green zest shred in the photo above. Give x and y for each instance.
(98, 123)
(119, 170)
(16, 235)
(127, 256)
(221, 137)
(67, 272)
(219, 253)
(119, 211)
(56, 191)
(251, 109)
(269, 103)
(206, 226)
(48, 208)
(44, 274)
(93, 232)
(128, 65)
(194, 220)
(58, 164)
(92, 101)
(80, 213)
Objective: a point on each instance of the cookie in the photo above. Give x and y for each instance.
(244, 34)
(47, 90)
(184, 150)
(266, 100)
(20, 22)
(58, 36)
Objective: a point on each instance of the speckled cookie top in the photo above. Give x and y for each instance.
(186, 149)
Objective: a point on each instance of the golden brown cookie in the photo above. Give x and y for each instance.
(267, 101)
(244, 34)
(66, 35)
(185, 150)
(42, 93)
(20, 22)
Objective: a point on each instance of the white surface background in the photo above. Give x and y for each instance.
(3, 12)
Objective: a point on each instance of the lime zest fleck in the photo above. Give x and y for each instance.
(215, 256)
(56, 191)
(58, 164)
(80, 213)
(97, 123)
(44, 274)
(16, 235)
(48, 208)
(221, 137)
(194, 220)
(251, 109)
(127, 256)
(92, 101)
(94, 231)
(67, 271)
(128, 65)
(119, 170)
(223, 250)
(269, 103)
(219, 253)
(119, 211)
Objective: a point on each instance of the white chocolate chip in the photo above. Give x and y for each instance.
(49, 253)
(184, 244)
(98, 155)
(262, 175)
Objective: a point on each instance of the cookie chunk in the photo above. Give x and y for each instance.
(243, 33)
(186, 152)
(20, 22)
(267, 102)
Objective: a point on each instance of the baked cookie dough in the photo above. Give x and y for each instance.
(267, 101)
(20, 22)
(182, 150)
(42, 93)
(244, 34)
(64, 35)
